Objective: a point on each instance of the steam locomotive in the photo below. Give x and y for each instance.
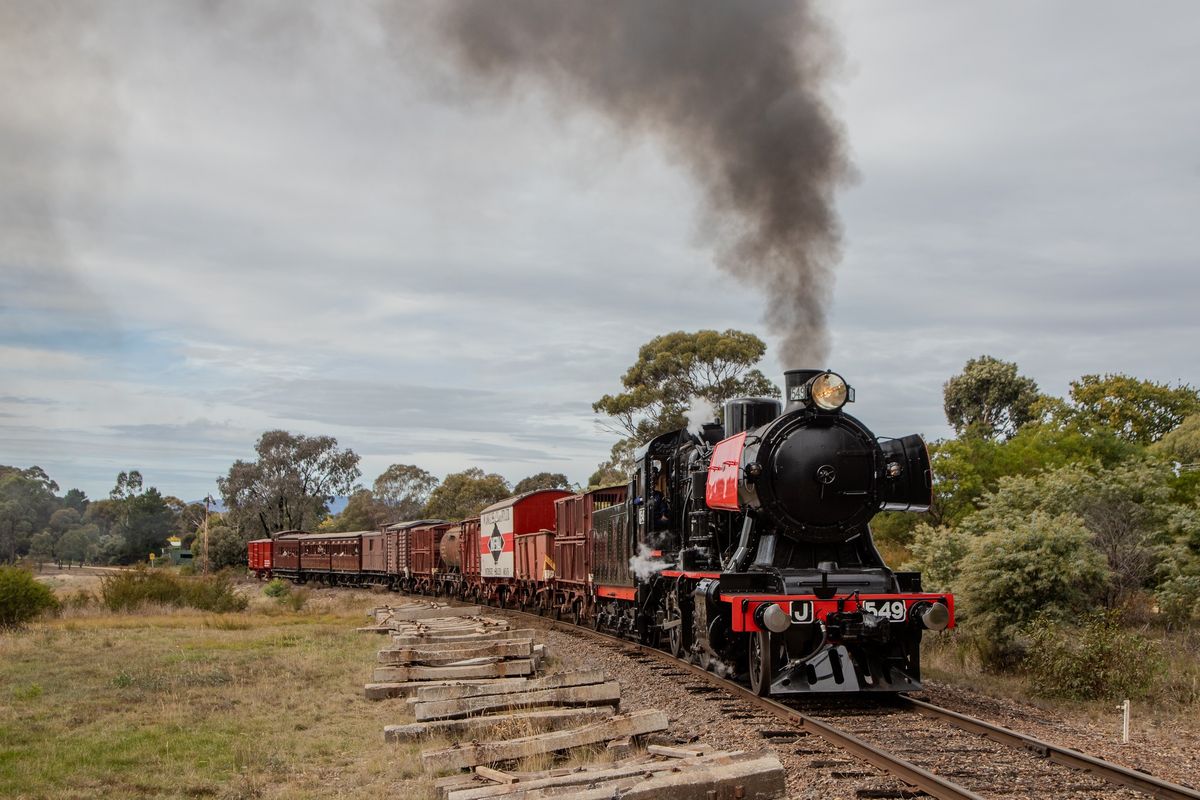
(743, 546)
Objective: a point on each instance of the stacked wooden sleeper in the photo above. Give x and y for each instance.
(467, 677)
(440, 644)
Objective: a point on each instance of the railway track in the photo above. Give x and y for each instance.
(934, 750)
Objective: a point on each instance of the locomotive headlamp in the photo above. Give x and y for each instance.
(772, 617)
(829, 391)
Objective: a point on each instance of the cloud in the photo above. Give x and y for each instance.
(208, 232)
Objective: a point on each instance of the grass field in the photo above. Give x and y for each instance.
(176, 703)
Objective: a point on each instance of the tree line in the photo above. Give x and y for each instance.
(1046, 507)
(133, 521)
(1053, 510)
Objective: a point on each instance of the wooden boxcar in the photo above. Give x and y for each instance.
(397, 542)
(374, 556)
(425, 555)
(470, 544)
(260, 560)
(499, 526)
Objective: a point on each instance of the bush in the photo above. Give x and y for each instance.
(1179, 601)
(22, 598)
(131, 589)
(937, 553)
(1044, 568)
(295, 600)
(80, 598)
(1100, 660)
(277, 587)
(213, 594)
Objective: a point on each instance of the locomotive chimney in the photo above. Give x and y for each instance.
(793, 382)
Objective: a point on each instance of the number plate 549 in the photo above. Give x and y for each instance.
(891, 610)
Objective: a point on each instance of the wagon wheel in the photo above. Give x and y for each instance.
(573, 614)
(763, 662)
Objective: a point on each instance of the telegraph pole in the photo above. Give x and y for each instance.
(207, 500)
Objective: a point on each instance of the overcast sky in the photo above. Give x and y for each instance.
(218, 223)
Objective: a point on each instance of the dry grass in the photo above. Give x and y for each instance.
(1174, 696)
(176, 703)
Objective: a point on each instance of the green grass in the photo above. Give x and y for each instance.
(185, 705)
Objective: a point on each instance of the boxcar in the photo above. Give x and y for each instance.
(398, 551)
(499, 526)
(260, 558)
(374, 558)
(426, 559)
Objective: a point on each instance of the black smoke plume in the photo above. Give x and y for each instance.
(732, 89)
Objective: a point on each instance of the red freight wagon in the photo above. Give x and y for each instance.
(572, 541)
(397, 545)
(373, 556)
(260, 557)
(534, 562)
(499, 526)
(423, 551)
(470, 548)
(286, 550)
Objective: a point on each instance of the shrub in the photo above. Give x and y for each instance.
(1045, 567)
(131, 589)
(937, 553)
(1179, 601)
(295, 600)
(80, 598)
(22, 598)
(1099, 660)
(277, 587)
(213, 594)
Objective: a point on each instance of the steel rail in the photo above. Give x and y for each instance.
(1113, 773)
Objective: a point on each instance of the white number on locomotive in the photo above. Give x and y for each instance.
(892, 610)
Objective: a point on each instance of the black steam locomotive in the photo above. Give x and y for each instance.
(750, 551)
